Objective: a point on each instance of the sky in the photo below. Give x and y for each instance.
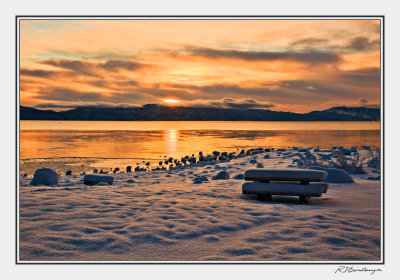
(280, 65)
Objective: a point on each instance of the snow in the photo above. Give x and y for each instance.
(172, 216)
(335, 175)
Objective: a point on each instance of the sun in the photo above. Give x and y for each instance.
(171, 101)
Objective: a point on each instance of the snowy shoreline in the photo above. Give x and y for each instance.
(168, 215)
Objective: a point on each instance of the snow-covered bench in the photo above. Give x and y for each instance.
(302, 183)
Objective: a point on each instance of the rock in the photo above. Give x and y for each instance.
(345, 151)
(374, 163)
(223, 175)
(192, 160)
(377, 178)
(326, 157)
(95, 171)
(335, 175)
(199, 180)
(260, 165)
(266, 156)
(95, 179)
(103, 184)
(238, 177)
(69, 172)
(45, 176)
(129, 168)
(253, 161)
(130, 181)
(116, 169)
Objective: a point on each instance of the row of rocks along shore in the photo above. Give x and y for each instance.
(201, 159)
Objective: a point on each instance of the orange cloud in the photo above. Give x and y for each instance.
(294, 64)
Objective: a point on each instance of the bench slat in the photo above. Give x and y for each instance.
(323, 184)
(282, 189)
(285, 175)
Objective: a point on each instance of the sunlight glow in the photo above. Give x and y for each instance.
(171, 101)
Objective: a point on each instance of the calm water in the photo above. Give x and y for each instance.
(154, 140)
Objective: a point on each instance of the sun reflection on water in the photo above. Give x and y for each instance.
(171, 141)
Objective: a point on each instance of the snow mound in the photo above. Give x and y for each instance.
(335, 175)
(223, 175)
(95, 179)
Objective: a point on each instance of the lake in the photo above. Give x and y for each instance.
(147, 140)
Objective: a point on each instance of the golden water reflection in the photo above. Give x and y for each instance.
(43, 139)
(171, 141)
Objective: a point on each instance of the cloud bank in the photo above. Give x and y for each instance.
(297, 66)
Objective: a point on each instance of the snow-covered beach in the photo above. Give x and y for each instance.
(169, 215)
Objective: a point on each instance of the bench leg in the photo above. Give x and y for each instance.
(261, 196)
(304, 199)
(269, 197)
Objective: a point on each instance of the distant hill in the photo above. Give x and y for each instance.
(154, 112)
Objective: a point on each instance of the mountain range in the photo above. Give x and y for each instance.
(155, 112)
